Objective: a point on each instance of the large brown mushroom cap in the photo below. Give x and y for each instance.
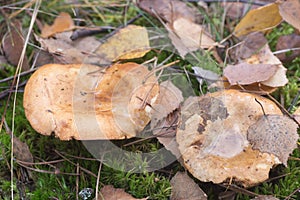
(212, 137)
(88, 102)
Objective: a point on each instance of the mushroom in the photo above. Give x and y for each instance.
(87, 102)
(212, 137)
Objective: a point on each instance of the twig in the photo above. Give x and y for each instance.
(83, 169)
(236, 1)
(238, 189)
(77, 181)
(89, 32)
(294, 192)
(98, 178)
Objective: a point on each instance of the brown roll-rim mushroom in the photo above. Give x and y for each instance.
(212, 137)
(87, 102)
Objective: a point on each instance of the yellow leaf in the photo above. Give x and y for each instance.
(130, 42)
(259, 19)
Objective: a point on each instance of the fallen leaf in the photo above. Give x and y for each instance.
(12, 45)
(164, 116)
(165, 131)
(249, 46)
(108, 192)
(212, 137)
(286, 42)
(265, 56)
(21, 151)
(87, 102)
(128, 43)
(245, 74)
(204, 75)
(66, 51)
(168, 10)
(62, 23)
(258, 20)
(290, 12)
(183, 186)
(168, 100)
(187, 36)
(265, 197)
(275, 134)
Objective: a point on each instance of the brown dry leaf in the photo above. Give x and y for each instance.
(108, 192)
(63, 22)
(258, 20)
(87, 102)
(250, 45)
(164, 116)
(265, 56)
(245, 74)
(275, 134)
(168, 10)
(128, 43)
(165, 131)
(12, 45)
(286, 42)
(66, 51)
(212, 137)
(21, 151)
(290, 12)
(168, 100)
(183, 186)
(188, 36)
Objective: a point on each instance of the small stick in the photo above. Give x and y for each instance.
(261, 106)
(77, 181)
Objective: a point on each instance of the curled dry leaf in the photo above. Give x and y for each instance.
(275, 134)
(265, 56)
(263, 76)
(212, 137)
(164, 116)
(87, 102)
(188, 36)
(257, 20)
(63, 22)
(244, 73)
(183, 186)
(290, 12)
(168, 10)
(128, 43)
(66, 51)
(108, 192)
(286, 42)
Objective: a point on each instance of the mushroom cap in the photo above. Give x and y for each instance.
(87, 102)
(212, 137)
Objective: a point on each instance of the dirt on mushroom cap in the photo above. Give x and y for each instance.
(213, 140)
